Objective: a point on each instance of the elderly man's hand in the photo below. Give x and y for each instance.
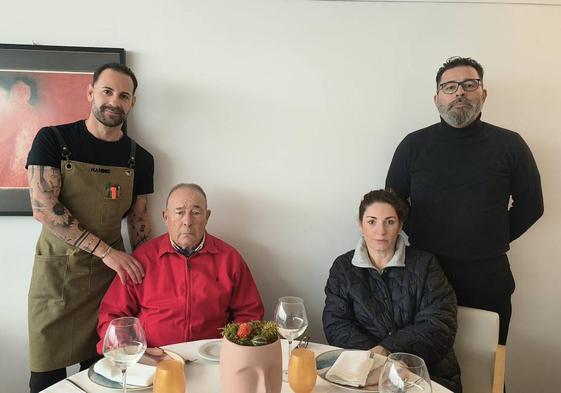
(124, 264)
(155, 355)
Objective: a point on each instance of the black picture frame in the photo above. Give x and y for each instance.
(16, 201)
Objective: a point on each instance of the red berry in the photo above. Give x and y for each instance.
(244, 330)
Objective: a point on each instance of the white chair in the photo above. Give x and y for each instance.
(481, 360)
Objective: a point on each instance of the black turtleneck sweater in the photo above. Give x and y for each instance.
(459, 181)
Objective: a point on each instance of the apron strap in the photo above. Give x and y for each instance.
(132, 161)
(66, 153)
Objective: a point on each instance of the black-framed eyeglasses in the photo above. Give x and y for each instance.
(452, 86)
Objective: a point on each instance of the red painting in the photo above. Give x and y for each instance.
(28, 101)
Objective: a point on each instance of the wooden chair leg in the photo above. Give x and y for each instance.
(499, 374)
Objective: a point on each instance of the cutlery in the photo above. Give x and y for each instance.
(76, 385)
(159, 357)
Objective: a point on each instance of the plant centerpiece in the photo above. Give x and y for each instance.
(254, 333)
(251, 358)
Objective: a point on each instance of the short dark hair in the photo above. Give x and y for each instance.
(384, 196)
(192, 186)
(123, 69)
(458, 61)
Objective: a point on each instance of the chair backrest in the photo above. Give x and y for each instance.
(475, 347)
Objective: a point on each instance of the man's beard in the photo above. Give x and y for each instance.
(106, 120)
(460, 117)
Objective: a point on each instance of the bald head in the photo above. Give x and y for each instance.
(191, 186)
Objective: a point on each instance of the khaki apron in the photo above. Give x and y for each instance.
(67, 284)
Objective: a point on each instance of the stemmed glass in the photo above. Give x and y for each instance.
(124, 344)
(404, 372)
(292, 321)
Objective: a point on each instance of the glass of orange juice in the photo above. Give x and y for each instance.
(170, 377)
(302, 372)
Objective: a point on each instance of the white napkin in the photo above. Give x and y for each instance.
(351, 368)
(137, 374)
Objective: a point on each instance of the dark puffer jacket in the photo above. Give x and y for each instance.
(404, 309)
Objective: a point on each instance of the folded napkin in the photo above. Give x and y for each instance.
(351, 368)
(137, 374)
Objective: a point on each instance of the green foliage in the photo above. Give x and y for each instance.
(259, 333)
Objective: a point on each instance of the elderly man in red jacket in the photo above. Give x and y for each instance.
(194, 282)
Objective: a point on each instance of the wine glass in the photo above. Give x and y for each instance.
(292, 321)
(404, 372)
(302, 372)
(124, 344)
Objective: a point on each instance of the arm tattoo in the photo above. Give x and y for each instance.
(45, 184)
(35, 204)
(140, 238)
(139, 223)
(81, 238)
(58, 209)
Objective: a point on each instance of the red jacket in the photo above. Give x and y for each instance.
(184, 298)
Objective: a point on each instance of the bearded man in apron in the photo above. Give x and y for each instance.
(84, 177)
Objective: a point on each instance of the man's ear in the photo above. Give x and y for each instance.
(207, 214)
(89, 92)
(164, 216)
(133, 101)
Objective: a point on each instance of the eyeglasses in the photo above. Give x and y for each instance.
(452, 86)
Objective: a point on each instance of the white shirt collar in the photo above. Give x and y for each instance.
(190, 252)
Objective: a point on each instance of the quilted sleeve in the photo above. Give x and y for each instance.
(339, 323)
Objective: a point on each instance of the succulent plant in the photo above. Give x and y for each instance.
(253, 333)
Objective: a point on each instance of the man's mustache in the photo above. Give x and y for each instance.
(460, 100)
(112, 108)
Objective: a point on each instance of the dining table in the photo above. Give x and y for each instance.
(203, 375)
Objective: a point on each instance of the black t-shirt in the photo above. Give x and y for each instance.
(84, 147)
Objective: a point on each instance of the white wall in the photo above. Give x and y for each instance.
(287, 112)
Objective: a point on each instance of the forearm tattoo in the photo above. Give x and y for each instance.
(44, 189)
(139, 225)
(139, 233)
(81, 238)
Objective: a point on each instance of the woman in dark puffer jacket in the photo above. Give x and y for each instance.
(387, 297)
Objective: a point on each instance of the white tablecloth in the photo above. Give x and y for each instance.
(203, 375)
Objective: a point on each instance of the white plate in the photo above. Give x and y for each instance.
(325, 360)
(100, 380)
(211, 350)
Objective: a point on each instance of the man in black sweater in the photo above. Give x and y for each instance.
(473, 189)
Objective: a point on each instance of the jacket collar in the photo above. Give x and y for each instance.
(361, 258)
(189, 251)
(208, 246)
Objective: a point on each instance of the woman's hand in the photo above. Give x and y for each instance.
(380, 350)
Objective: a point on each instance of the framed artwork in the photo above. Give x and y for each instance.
(39, 86)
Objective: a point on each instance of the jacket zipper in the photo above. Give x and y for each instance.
(188, 300)
(388, 302)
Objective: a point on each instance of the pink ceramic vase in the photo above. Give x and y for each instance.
(251, 369)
